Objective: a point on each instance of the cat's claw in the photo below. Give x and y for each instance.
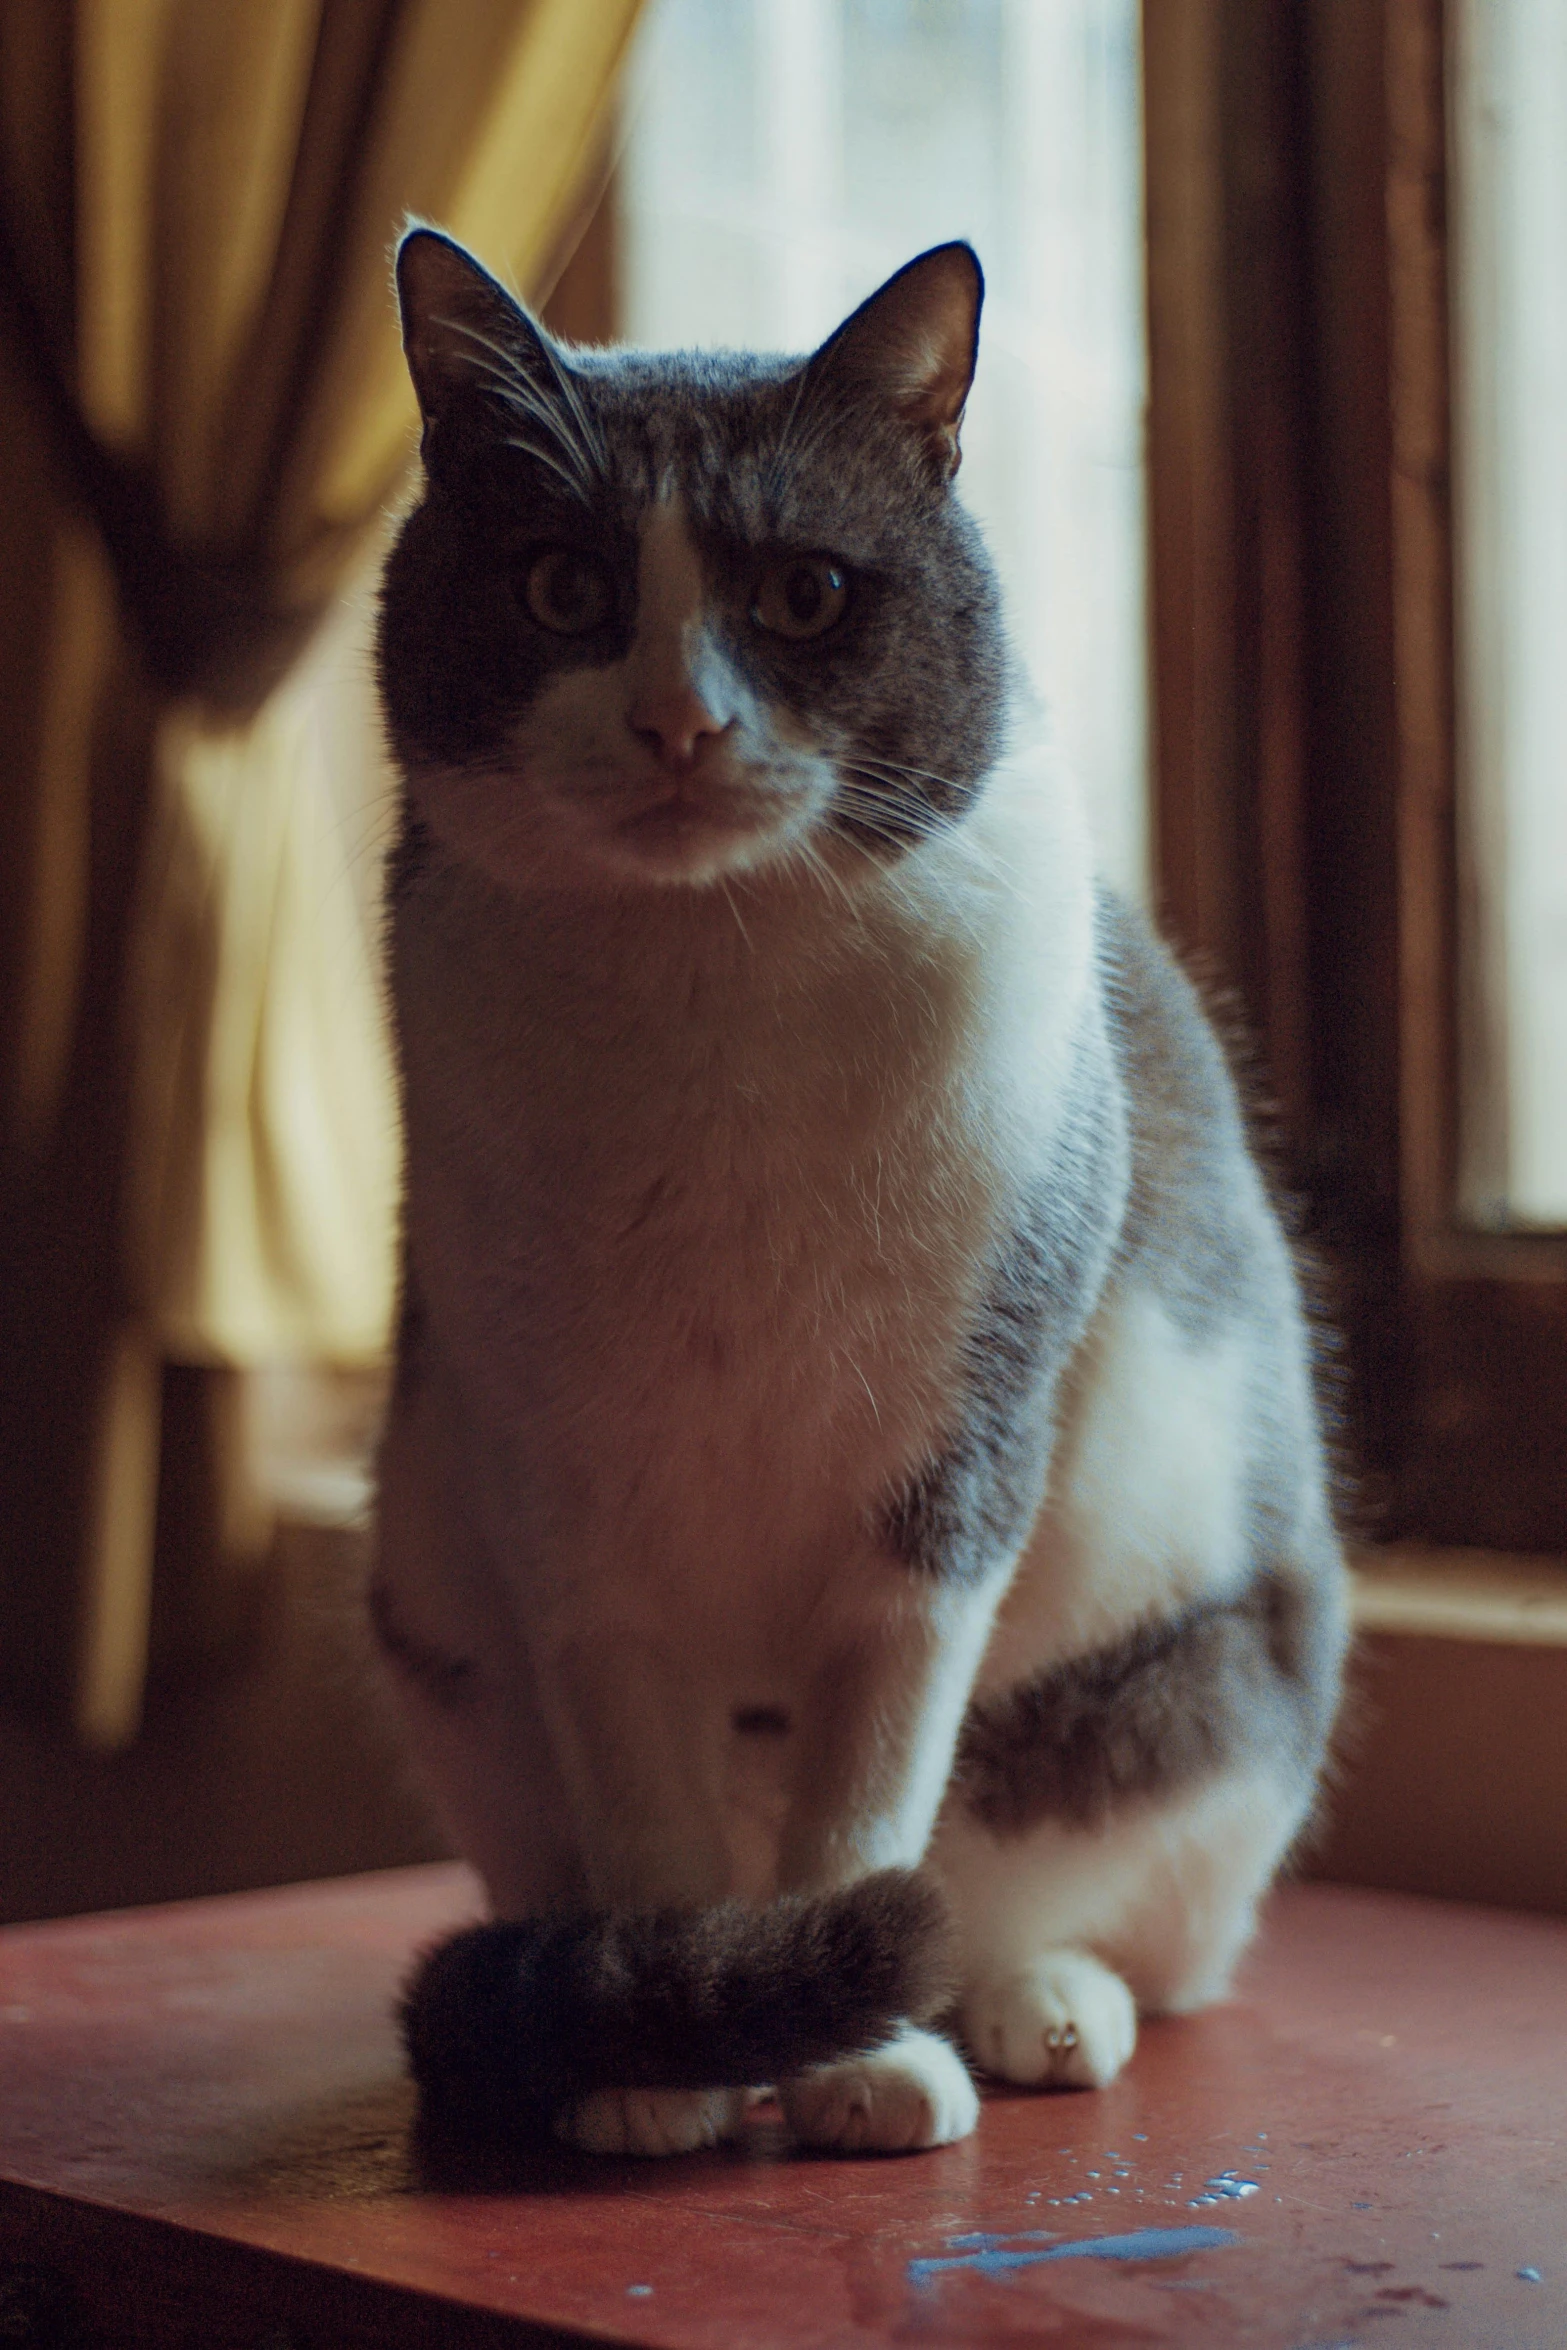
(651, 2121)
(1068, 2023)
(912, 2094)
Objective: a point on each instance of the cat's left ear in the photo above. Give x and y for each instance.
(460, 326)
(913, 345)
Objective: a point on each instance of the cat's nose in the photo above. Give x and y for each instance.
(675, 724)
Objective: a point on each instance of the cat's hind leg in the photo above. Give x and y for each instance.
(1069, 1932)
(1066, 2021)
(1115, 1817)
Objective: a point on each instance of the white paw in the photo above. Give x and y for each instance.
(913, 2093)
(651, 2121)
(1067, 2023)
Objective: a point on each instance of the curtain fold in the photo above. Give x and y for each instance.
(206, 415)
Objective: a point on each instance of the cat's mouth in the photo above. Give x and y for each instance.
(682, 819)
(695, 831)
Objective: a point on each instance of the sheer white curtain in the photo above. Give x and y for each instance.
(786, 155)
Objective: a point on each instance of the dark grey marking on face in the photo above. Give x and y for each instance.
(971, 1504)
(1253, 1678)
(528, 448)
(447, 1681)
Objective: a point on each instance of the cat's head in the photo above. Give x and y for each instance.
(665, 619)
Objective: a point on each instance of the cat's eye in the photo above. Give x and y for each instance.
(567, 591)
(801, 596)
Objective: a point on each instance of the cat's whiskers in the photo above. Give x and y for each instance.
(864, 807)
(566, 418)
(543, 457)
(806, 853)
(902, 767)
(902, 782)
(729, 900)
(507, 364)
(517, 393)
(804, 427)
(784, 449)
(879, 796)
(900, 821)
(587, 424)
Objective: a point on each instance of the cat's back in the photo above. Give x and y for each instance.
(1189, 1468)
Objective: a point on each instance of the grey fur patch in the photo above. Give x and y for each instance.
(1256, 1675)
(1196, 1201)
(448, 1681)
(769, 456)
(1172, 1703)
(970, 1505)
(1205, 1229)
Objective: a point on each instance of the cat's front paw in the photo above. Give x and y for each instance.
(914, 2093)
(1068, 2023)
(651, 2121)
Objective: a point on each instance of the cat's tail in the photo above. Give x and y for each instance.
(505, 2022)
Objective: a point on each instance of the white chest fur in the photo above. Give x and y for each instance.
(702, 1186)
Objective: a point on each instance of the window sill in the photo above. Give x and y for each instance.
(1451, 1768)
(1461, 1595)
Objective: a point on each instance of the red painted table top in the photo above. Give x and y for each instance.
(205, 2138)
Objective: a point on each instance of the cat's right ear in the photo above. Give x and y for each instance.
(461, 329)
(912, 346)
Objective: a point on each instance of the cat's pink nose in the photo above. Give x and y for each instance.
(675, 724)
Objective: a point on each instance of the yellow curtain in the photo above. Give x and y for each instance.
(206, 414)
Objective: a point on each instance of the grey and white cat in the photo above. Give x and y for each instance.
(853, 1413)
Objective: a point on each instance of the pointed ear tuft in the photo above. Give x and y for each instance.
(913, 345)
(458, 322)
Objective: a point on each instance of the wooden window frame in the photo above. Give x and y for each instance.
(1305, 836)
(1305, 819)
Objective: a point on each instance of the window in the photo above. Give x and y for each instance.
(1307, 809)
(1328, 831)
(1508, 160)
(785, 156)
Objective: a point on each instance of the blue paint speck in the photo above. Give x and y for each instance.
(1531, 2276)
(638, 2292)
(1360, 2207)
(992, 2256)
